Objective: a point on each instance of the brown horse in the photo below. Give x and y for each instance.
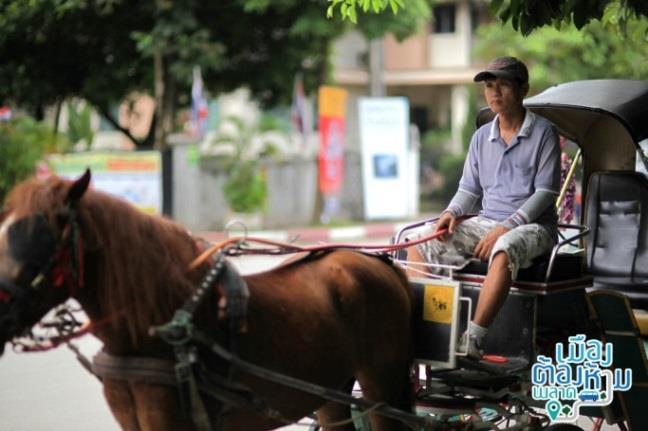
(326, 319)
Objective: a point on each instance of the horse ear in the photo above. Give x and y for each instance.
(78, 188)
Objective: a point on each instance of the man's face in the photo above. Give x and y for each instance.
(503, 95)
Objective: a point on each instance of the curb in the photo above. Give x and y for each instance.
(318, 234)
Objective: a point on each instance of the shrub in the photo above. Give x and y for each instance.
(451, 168)
(23, 142)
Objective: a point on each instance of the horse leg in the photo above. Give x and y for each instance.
(121, 403)
(332, 412)
(389, 384)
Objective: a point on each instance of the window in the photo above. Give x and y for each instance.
(444, 18)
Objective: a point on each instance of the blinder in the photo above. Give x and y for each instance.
(31, 241)
(34, 244)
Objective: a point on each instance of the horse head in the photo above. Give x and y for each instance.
(37, 246)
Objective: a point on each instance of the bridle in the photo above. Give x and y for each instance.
(60, 265)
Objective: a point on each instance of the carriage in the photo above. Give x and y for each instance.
(594, 282)
(189, 344)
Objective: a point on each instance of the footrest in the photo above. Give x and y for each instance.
(477, 379)
(512, 365)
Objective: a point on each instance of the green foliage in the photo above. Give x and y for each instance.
(468, 128)
(348, 8)
(269, 122)
(567, 54)
(182, 39)
(526, 16)
(102, 51)
(23, 142)
(403, 25)
(451, 168)
(434, 144)
(53, 49)
(80, 124)
(245, 188)
(404, 21)
(435, 152)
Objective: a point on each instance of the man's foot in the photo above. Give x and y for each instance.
(475, 350)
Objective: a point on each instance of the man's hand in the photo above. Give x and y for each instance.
(446, 221)
(485, 246)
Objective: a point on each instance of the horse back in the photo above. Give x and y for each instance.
(346, 296)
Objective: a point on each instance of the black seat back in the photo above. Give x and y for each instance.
(617, 247)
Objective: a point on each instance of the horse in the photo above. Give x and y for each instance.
(328, 319)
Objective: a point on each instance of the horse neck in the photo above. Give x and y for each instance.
(135, 271)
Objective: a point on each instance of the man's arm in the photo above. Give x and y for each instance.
(531, 209)
(462, 203)
(467, 194)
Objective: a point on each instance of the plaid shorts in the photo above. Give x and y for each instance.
(521, 244)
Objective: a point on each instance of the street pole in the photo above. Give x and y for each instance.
(376, 82)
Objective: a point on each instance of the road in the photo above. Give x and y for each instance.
(51, 391)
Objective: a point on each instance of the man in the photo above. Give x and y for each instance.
(513, 165)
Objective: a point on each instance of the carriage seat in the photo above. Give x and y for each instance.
(566, 267)
(617, 247)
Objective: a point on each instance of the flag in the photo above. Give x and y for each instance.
(5, 113)
(199, 108)
(297, 108)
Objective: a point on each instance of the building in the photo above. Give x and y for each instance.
(433, 69)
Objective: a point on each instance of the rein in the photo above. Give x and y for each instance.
(280, 248)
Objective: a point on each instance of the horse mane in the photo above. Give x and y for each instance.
(136, 262)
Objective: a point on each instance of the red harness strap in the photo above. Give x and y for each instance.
(287, 248)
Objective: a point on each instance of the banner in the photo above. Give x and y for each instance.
(132, 176)
(199, 107)
(297, 112)
(384, 142)
(332, 110)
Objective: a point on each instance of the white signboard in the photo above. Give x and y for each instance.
(390, 189)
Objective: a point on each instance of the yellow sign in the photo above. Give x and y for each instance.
(332, 102)
(438, 303)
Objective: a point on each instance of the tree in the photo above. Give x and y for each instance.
(567, 54)
(103, 50)
(50, 49)
(528, 15)
(524, 15)
(23, 142)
